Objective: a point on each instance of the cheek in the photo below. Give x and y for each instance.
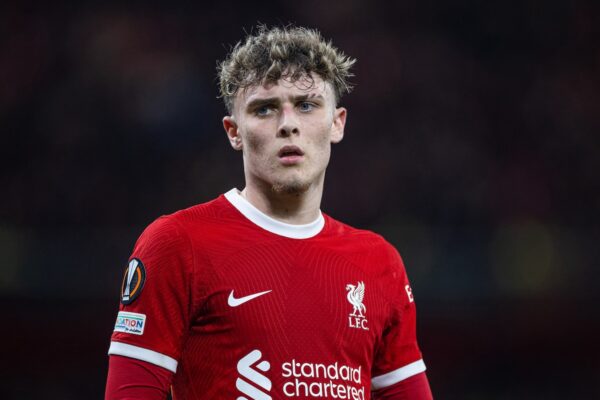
(253, 143)
(251, 138)
(326, 153)
(323, 139)
(255, 146)
(321, 149)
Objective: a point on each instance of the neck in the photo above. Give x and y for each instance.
(292, 208)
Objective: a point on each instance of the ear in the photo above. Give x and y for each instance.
(233, 134)
(339, 122)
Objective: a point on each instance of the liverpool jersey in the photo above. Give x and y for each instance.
(242, 306)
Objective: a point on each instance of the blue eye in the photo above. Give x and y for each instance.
(263, 111)
(306, 106)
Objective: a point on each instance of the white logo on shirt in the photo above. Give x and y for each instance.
(130, 271)
(304, 380)
(246, 370)
(409, 293)
(355, 296)
(233, 302)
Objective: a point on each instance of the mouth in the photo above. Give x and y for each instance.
(287, 151)
(290, 155)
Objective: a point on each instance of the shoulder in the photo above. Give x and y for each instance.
(178, 226)
(372, 254)
(190, 217)
(364, 240)
(208, 212)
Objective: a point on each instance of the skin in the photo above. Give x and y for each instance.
(266, 118)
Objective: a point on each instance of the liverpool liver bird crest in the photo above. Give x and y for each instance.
(355, 296)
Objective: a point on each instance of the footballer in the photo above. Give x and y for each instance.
(258, 294)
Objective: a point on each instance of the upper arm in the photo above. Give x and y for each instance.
(414, 388)
(153, 321)
(131, 379)
(397, 356)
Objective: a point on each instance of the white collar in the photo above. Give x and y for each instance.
(270, 224)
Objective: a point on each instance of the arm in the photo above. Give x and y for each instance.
(399, 371)
(153, 317)
(414, 388)
(131, 379)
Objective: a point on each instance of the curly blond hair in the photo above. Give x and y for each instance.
(289, 53)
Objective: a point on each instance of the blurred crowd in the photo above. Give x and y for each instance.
(480, 118)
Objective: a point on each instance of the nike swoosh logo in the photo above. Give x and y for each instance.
(233, 302)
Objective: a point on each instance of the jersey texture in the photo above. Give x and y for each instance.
(241, 306)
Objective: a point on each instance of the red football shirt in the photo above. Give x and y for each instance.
(240, 305)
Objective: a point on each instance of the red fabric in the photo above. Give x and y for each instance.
(414, 388)
(131, 379)
(303, 322)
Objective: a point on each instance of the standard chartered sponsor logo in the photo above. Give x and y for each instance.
(335, 381)
(301, 379)
(246, 370)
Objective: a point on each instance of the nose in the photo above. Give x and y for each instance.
(288, 122)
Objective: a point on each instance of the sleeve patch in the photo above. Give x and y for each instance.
(128, 322)
(133, 281)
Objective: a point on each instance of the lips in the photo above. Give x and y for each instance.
(290, 155)
(290, 151)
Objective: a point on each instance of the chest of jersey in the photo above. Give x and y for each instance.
(313, 312)
(285, 289)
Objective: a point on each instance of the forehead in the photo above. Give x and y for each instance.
(285, 88)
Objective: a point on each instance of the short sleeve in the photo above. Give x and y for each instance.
(397, 356)
(154, 313)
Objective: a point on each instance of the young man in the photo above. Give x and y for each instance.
(257, 294)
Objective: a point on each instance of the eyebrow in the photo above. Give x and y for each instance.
(275, 100)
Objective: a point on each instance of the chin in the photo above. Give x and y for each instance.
(291, 187)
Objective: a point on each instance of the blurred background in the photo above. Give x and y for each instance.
(472, 144)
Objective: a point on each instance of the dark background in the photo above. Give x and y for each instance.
(472, 145)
